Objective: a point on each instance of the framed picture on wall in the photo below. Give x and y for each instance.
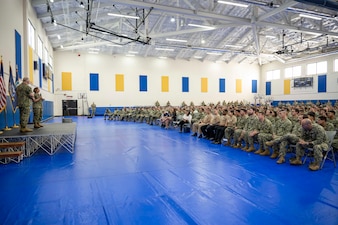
(303, 82)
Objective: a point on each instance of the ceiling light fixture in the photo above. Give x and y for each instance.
(214, 53)
(82, 5)
(198, 57)
(177, 40)
(162, 57)
(59, 37)
(112, 45)
(124, 16)
(233, 4)
(165, 49)
(233, 46)
(172, 19)
(201, 26)
(270, 36)
(310, 16)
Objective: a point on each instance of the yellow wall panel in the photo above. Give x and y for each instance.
(204, 84)
(66, 81)
(30, 64)
(287, 87)
(165, 84)
(119, 82)
(238, 86)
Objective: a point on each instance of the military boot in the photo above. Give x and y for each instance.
(40, 124)
(281, 160)
(296, 161)
(314, 167)
(25, 129)
(228, 143)
(259, 151)
(245, 148)
(265, 153)
(237, 145)
(251, 149)
(36, 125)
(274, 155)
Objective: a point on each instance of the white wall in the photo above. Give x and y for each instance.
(308, 93)
(14, 15)
(108, 65)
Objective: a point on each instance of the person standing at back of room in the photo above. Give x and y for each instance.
(25, 96)
(37, 108)
(93, 106)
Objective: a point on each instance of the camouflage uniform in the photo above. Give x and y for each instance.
(318, 138)
(37, 109)
(23, 92)
(265, 132)
(236, 133)
(249, 126)
(288, 139)
(281, 128)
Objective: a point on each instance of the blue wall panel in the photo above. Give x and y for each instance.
(143, 83)
(221, 85)
(254, 86)
(268, 88)
(185, 84)
(321, 83)
(18, 62)
(94, 81)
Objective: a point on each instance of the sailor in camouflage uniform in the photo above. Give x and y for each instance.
(282, 127)
(262, 131)
(241, 121)
(25, 96)
(248, 128)
(287, 140)
(37, 108)
(313, 136)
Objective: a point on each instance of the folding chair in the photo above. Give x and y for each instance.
(330, 136)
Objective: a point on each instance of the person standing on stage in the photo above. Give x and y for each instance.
(25, 96)
(37, 108)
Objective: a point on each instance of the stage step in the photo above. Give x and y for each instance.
(13, 152)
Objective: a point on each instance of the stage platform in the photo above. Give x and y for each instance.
(50, 138)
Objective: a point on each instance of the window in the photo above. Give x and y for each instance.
(273, 75)
(40, 48)
(292, 72)
(322, 67)
(317, 68)
(336, 65)
(31, 35)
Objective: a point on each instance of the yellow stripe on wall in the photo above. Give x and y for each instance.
(287, 87)
(119, 82)
(165, 84)
(30, 64)
(238, 86)
(204, 84)
(66, 81)
(49, 85)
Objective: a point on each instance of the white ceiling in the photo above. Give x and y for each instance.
(263, 32)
